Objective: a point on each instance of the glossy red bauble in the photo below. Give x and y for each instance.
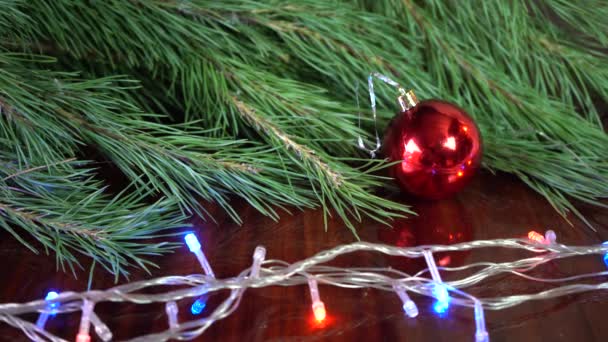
(439, 147)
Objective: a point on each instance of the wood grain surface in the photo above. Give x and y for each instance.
(491, 207)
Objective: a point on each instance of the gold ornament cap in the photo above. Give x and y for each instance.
(407, 100)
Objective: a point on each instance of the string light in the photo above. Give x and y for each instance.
(195, 247)
(439, 290)
(481, 334)
(318, 308)
(171, 309)
(49, 310)
(409, 306)
(85, 322)
(605, 255)
(550, 236)
(101, 329)
(535, 236)
(265, 273)
(199, 305)
(258, 257)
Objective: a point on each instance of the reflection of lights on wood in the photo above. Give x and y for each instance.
(460, 173)
(532, 235)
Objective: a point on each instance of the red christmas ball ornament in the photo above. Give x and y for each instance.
(438, 144)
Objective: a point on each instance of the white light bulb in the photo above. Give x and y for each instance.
(258, 257)
(550, 236)
(409, 306)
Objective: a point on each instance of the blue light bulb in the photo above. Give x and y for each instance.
(50, 296)
(198, 306)
(443, 298)
(441, 293)
(606, 255)
(440, 307)
(192, 242)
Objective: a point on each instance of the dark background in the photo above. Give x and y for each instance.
(491, 207)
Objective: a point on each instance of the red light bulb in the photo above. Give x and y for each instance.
(318, 310)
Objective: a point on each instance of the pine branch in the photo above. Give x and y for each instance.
(14, 23)
(287, 116)
(67, 212)
(185, 165)
(285, 75)
(37, 168)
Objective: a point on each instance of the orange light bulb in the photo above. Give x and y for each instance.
(534, 236)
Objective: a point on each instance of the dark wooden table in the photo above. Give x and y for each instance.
(491, 207)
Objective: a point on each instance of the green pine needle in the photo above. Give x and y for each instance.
(256, 99)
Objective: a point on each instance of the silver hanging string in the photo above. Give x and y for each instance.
(406, 100)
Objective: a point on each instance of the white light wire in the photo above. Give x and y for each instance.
(279, 273)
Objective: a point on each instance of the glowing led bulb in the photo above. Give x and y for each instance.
(410, 309)
(83, 338)
(50, 306)
(195, 247)
(318, 308)
(51, 296)
(409, 306)
(550, 236)
(440, 291)
(440, 307)
(535, 236)
(192, 242)
(481, 334)
(85, 322)
(605, 255)
(198, 306)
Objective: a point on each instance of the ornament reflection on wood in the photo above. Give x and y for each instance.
(437, 143)
(437, 223)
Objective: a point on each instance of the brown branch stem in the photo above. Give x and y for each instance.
(22, 172)
(302, 151)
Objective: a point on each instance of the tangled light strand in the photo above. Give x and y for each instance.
(264, 273)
